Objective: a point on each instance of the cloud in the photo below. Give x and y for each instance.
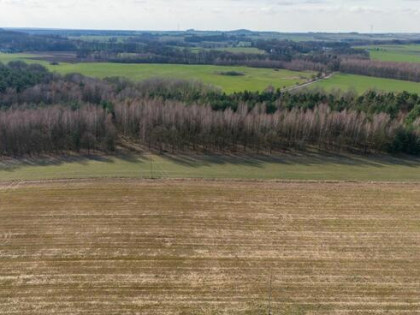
(278, 15)
(301, 2)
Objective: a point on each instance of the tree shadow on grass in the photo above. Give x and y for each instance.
(12, 164)
(203, 160)
(290, 158)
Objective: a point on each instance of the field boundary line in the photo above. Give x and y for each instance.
(8, 184)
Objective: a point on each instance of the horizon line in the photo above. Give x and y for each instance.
(204, 30)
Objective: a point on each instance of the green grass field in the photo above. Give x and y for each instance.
(360, 84)
(5, 58)
(396, 53)
(255, 79)
(287, 167)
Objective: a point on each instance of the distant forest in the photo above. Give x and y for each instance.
(201, 48)
(46, 113)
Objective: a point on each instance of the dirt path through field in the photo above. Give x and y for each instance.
(301, 86)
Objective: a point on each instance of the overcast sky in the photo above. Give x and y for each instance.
(275, 15)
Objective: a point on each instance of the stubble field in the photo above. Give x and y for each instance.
(209, 247)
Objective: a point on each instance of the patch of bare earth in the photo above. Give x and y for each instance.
(197, 247)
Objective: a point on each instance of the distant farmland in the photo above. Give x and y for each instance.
(395, 53)
(360, 84)
(247, 50)
(254, 79)
(194, 247)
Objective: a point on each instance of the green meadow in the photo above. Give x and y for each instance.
(359, 83)
(395, 53)
(5, 58)
(305, 166)
(253, 79)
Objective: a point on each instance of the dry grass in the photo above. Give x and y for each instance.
(197, 247)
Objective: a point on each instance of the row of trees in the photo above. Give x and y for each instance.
(55, 130)
(321, 56)
(12, 41)
(173, 126)
(189, 92)
(383, 69)
(33, 84)
(146, 48)
(184, 115)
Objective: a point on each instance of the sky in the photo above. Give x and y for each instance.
(262, 15)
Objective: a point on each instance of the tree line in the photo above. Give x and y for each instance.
(38, 86)
(147, 48)
(19, 76)
(22, 84)
(55, 130)
(383, 69)
(13, 41)
(320, 56)
(174, 127)
(53, 114)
